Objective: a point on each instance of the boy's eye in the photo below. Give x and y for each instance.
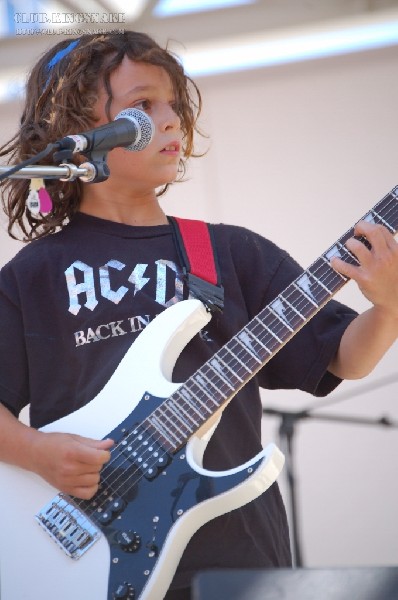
(176, 106)
(144, 105)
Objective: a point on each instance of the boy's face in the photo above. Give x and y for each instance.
(148, 88)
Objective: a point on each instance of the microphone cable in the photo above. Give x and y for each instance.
(29, 161)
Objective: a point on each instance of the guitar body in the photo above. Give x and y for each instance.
(143, 517)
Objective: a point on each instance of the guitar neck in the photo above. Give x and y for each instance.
(231, 367)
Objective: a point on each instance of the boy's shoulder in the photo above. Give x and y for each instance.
(242, 239)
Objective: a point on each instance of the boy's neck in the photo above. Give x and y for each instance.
(143, 212)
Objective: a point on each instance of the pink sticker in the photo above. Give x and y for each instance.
(46, 204)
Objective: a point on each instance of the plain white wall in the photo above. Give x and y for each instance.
(299, 153)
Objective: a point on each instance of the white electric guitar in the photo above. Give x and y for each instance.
(154, 495)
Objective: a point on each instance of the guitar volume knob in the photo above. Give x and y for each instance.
(129, 541)
(124, 591)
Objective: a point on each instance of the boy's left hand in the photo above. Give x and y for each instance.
(377, 273)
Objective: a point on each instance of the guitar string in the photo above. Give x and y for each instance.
(213, 402)
(237, 353)
(211, 382)
(299, 308)
(160, 439)
(199, 391)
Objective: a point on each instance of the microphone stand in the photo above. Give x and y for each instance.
(288, 421)
(86, 172)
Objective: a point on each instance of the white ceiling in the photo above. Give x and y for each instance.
(222, 30)
(244, 18)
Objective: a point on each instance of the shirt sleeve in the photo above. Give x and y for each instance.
(302, 363)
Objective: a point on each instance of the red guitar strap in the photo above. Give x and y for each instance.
(197, 252)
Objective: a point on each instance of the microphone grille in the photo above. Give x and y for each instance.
(144, 124)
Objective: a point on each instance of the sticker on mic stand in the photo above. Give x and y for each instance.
(38, 200)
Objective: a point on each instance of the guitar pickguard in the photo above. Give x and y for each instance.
(136, 510)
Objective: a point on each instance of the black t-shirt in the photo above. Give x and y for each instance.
(72, 303)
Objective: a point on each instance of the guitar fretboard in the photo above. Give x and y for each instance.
(231, 367)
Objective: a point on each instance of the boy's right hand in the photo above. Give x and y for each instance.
(71, 463)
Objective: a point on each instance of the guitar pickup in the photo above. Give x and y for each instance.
(145, 453)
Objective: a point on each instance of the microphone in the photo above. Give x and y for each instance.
(132, 129)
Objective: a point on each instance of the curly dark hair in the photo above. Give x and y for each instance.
(60, 100)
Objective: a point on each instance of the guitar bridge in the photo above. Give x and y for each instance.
(68, 526)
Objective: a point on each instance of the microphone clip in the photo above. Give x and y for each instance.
(97, 159)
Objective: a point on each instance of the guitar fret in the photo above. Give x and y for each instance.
(386, 208)
(190, 403)
(279, 306)
(237, 358)
(182, 407)
(276, 322)
(333, 272)
(272, 333)
(228, 367)
(326, 259)
(199, 402)
(197, 378)
(281, 319)
(242, 337)
(307, 296)
(217, 368)
(324, 287)
(217, 388)
(173, 427)
(392, 211)
(257, 340)
(380, 218)
(267, 337)
(347, 253)
(167, 436)
(249, 359)
(299, 301)
(294, 309)
(198, 393)
(250, 340)
(176, 410)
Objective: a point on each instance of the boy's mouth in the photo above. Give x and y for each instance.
(172, 148)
